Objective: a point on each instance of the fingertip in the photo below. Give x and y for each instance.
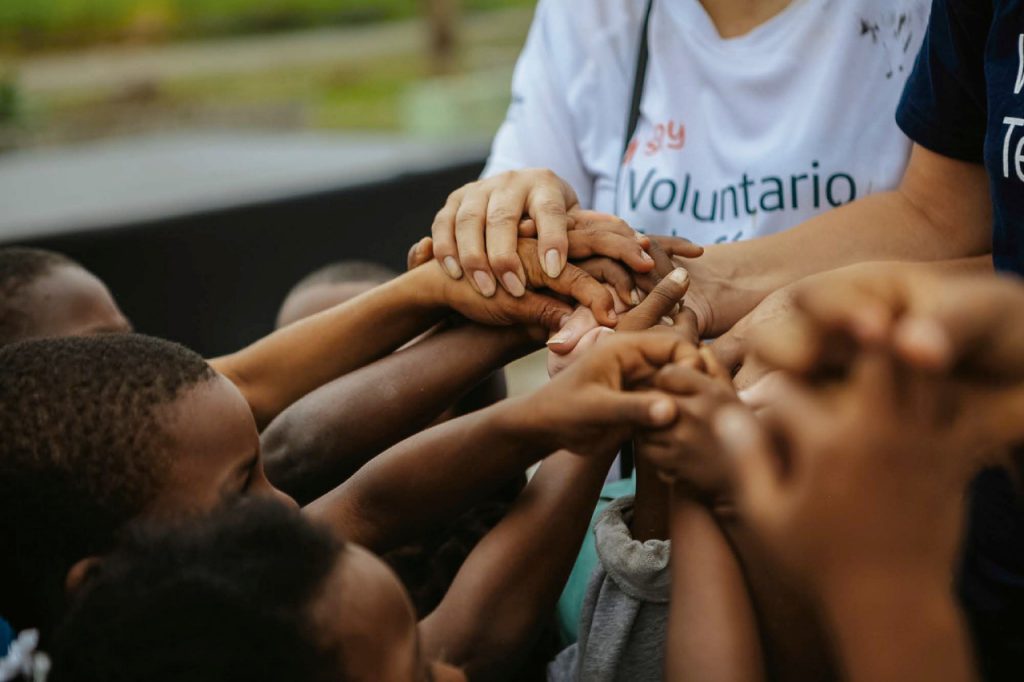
(452, 267)
(732, 426)
(923, 343)
(553, 263)
(662, 412)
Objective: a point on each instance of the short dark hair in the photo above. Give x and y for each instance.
(228, 598)
(20, 267)
(82, 452)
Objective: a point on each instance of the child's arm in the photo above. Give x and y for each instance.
(712, 631)
(286, 365)
(858, 490)
(329, 434)
(511, 581)
(444, 470)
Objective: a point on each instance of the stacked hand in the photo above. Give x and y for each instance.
(687, 454)
(604, 398)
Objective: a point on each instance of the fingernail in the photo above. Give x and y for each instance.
(560, 337)
(512, 284)
(484, 283)
(667, 321)
(662, 411)
(452, 266)
(553, 263)
(634, 297)
(640, 237)
(613, 316)
(646, 257)
(604, 331)
(679, 275)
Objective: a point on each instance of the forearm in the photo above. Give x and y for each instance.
(890, 629)
(325, 437)
(286, 365)
(432, 477)
(510, 583)
(713, 632)
(885, 226)
(651, 506)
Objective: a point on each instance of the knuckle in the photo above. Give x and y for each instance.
(504, 261)
(468, 216)
(552, 206)
(502, 215)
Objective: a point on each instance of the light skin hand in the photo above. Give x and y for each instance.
(475, 233)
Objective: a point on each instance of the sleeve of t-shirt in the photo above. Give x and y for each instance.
(539, 130)
(943, 107)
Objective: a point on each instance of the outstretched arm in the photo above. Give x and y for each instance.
(329, 434)
(512, 579)
(940, 211)
(444, 470)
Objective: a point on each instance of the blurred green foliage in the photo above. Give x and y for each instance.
(42, 24)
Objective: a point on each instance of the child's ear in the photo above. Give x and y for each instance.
(80, 574)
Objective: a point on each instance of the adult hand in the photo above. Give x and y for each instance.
(477, 229)
(734, 349)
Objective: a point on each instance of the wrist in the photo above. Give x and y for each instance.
(726, 287)
(428, 286)
(519, 419)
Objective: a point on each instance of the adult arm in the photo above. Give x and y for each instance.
(329, 434)
(941, 210)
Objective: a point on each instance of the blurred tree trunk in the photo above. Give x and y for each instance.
(442, 20)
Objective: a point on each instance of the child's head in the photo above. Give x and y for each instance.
(329, 286)
(46, 294)
(98, 431)
(253, 593)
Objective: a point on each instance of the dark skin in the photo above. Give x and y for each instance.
(496, 605)
(868, 511)
(70, 301)
(326, 436)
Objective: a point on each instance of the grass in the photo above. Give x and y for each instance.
(28, 25)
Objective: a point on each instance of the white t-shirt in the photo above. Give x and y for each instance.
(737, 138)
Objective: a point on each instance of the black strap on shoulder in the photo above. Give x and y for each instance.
(627, 457)
(639, 79)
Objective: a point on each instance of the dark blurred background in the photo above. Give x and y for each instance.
(202, 155)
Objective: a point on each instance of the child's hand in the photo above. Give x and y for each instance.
(688, 454)
(582, 331)
(862, 479)
(602, 399)
(968, 328)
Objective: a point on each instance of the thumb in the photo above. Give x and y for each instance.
(659, 303)
(420, 253)
(744, 440)
(639, 409)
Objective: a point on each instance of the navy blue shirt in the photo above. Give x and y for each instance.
(965, 100)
